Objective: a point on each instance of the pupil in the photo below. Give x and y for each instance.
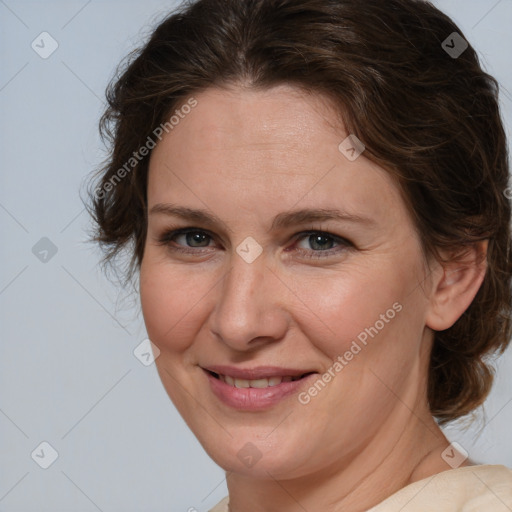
(317, 240)
(196, 237)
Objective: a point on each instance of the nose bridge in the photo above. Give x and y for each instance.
(242, 290)
(247, 306)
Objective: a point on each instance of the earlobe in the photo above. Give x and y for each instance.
(457, 286)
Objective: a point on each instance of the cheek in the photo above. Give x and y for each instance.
(355, 304)
(171, 304)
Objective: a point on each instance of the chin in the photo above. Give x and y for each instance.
(262, 459)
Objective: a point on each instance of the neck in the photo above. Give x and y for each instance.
(405, 449)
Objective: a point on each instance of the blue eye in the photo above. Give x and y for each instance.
(195, 240)
(322, 244)
(195, 237)
(191, 237)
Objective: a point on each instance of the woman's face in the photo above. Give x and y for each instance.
(256, 290)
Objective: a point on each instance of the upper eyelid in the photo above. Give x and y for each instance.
(171, 233)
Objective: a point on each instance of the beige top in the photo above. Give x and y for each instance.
(466, 489)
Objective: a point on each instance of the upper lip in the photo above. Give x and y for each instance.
(258, 372)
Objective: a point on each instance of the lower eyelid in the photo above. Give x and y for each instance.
(169, 237)
(305, 236)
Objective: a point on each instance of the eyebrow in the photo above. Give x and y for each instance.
(282, 220)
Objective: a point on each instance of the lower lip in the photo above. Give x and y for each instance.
(254, 399)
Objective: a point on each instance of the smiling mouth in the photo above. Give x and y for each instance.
(257, 383)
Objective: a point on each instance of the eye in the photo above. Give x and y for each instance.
(322, 244)
(196, 241)
(187, 240)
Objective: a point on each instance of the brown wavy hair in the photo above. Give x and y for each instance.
(429, 118)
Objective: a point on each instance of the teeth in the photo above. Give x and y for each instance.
(256, 383)
(242, 383)
(259, 383)
(274, 381)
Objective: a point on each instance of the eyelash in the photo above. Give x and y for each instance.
(167, 237)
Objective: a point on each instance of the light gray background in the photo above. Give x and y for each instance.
(68, 374)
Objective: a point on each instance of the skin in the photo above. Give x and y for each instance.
(246, 156)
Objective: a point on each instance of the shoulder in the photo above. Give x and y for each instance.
(222, 506)
(495, 489)
(466, 489)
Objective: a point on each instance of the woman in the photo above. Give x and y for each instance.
(313, 194)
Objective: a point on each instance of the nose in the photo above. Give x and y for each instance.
(251, 309)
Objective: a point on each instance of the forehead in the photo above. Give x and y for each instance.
(269, 148)
(282, 117)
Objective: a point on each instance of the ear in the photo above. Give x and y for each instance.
(455, 286)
